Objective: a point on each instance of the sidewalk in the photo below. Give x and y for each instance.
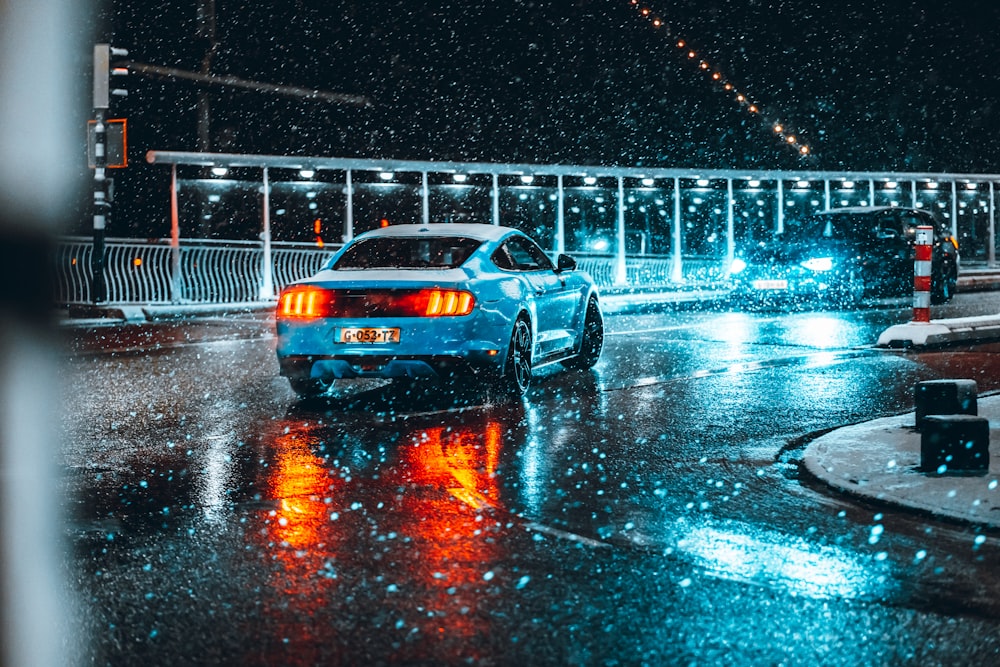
(878, 460)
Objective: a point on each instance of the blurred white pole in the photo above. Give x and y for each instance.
(41, 144)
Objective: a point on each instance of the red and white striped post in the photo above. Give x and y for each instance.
(924, 244)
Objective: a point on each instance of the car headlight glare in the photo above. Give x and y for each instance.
(737, 266)
(818, 264)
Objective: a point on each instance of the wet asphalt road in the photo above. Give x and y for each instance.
(649, 512)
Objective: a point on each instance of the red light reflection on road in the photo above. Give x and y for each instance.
(427, 526)
(456, 461)
(450, 514)
(296, 535)
(300, 484)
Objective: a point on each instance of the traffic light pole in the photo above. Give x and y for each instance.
(102, 206)
(102, 201)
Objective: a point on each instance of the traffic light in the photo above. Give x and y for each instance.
(103, 71)
(115, 142)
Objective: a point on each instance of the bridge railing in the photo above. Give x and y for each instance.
(650, 271)
(208, 271)
(138, 271)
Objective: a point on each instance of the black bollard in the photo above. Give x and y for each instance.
(955, 444)
(945, 397)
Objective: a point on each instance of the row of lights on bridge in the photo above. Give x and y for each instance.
(528, 179)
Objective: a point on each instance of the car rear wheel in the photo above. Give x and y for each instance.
(593, 339)
(516, 375)
(310, 387)
(943, 289)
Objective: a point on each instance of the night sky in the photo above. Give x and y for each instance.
(867, 85)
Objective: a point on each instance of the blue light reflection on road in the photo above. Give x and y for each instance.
(824, 331)
(737, 551)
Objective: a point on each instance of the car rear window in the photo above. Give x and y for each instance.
(407, 253)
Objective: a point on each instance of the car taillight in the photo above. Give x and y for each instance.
(306, 301)
(447, 302)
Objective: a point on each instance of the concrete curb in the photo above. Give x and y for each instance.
(979, 280)
(941, 332)
(950, 331)
(878, 461)
(97, 315)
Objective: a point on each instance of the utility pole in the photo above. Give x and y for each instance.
(206, 34)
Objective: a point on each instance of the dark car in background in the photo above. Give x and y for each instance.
(842, 256)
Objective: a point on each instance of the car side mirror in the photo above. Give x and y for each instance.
(565, 263)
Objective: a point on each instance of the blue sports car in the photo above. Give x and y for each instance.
(438, 300)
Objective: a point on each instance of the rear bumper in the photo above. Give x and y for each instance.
(426, 347)
(388, 366)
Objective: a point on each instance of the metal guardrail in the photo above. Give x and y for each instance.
(651, 270)
(140, 272)
(207, 271)
(210, 272)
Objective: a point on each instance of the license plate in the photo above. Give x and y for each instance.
(770, 284)
(367, 335)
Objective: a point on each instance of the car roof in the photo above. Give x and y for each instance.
(479, 231)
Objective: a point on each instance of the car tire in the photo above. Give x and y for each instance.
(310, 387)
(943, 290)
(515, 377)
(592, 339)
